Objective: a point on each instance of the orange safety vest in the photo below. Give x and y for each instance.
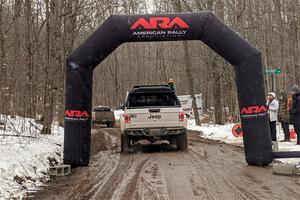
(290, 103)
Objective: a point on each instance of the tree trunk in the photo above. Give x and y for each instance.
(3, 67)
(217, 92)
(29, 62)
(16, 53)
(188, 67)
(48, 89)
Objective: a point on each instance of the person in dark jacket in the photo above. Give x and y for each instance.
(284, 115)
(295, 111)
(172, 84)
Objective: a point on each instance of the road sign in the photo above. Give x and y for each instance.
(237, 130)
(273, 71)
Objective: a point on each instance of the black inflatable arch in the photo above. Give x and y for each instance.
(203, 26)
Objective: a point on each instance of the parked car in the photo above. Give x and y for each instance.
(103, 115)
(153, 113)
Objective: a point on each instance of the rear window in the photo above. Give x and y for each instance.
(101, 109)
(152, 99)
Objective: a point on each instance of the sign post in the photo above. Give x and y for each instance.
(273, 72)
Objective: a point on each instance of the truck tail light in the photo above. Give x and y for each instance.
(181, 116)
(127, 118)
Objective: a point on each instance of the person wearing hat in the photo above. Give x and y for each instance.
(273, 106)
(284, 115)
(172, 84)
(295, 111)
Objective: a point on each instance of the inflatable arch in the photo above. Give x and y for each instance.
(204, 26)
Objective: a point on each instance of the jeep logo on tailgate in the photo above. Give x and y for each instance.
(154, 117)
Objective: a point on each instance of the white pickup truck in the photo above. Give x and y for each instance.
(152, 113)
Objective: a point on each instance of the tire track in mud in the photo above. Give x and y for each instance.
(207, 170)
(84, 181)
(122, 184)
(233, 186)
(225, 167)
(151, 184)
(216, 176)
(113, 180)
(217, 179)
(101, 169)
(98, 174)
(200, 185)
(130, 191)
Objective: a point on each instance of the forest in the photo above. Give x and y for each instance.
(36, 36)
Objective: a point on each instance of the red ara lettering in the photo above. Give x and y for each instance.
(76, 113)
(161, 22)
(253, 110)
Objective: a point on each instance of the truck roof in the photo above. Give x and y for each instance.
(102, 108)
(151, 89)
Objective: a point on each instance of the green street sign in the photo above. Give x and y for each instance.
(273, 71)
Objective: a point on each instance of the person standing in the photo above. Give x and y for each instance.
(272, 105)
(284, 115)
(295, 111)
(171, 84)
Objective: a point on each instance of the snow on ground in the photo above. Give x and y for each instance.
(216, 132)
(224, 133)
(26, 155)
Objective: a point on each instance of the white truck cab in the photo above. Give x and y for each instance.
(152, 113)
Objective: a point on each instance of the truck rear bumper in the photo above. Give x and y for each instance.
(105, 121)
(152, 132)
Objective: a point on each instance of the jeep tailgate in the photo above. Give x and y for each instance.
(152, 117)
(104, 115)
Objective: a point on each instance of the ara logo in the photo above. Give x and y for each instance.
(154, 117)
(160, 22)
(253, 110)
(76, 115)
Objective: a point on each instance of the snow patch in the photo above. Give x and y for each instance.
(26, 155)
(215, 132)
(224, 133)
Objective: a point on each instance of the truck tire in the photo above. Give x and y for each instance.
(181, 141)
(125, 144)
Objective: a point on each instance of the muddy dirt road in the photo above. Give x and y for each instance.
(208, 170)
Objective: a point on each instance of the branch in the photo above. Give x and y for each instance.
(11, 135)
